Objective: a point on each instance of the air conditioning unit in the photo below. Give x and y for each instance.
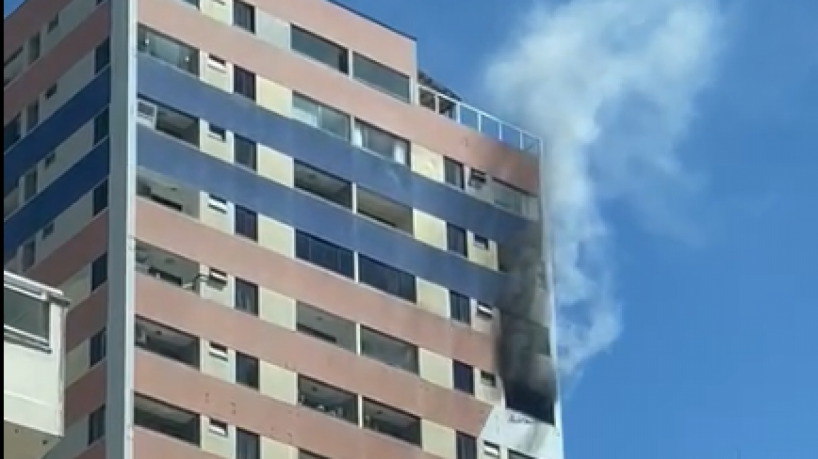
(146, 112)
(217, 278)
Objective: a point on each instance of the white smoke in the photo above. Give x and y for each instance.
(610, 85)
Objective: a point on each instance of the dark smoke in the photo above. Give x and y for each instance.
(523, 344)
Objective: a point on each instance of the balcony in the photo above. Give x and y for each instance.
(391, 422)
(167, 420)
(167, 342)
(33, 334)
(445, 103)
(329, 400)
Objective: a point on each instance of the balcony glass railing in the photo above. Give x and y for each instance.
(480, 121)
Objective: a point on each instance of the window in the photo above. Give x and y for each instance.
(247, 370)
(324, 254)
(217, 203)
(100, 198)
(320, 116)
(218, 349)
(244, 82)
(481, 242)
(387, 279)
(53, 23)
(246, 223)
(382, 78)
(168, 50)
(453, 172)
(517, 455)
(101, 126)
(490, 449)
(319, 49)
(381, 142)
(466, 446)
(217, 427)
(485, 311)
(248, 445)
(97, 348)
(102, 56)
(245, 152)
(244, 16)
(509, 197)
(460, 307)
(13, 66)
(217, 132)
(488, 379)
(33, 115)
(463, 377)
(48, 230)
(30, 182)
(246, 299)
(50, 159)
(456, 239)
(29, 256)
(34, 47)
(12, 132)
(216, 62)
(96, 425)
(99, 272)
(51, 91)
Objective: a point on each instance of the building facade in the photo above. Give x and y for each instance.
(33, 366)
(282, 240)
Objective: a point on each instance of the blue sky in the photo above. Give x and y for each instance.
(695, 319)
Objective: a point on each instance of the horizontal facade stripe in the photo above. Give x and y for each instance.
(312, 146)
(56, 129)
(181, 162)
(78, 181)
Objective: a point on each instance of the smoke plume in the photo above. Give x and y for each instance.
(610, 85)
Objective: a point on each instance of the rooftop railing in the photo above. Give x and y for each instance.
(506, 133)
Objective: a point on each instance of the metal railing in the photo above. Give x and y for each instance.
(482, 122)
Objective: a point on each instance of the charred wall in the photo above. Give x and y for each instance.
(522, 342)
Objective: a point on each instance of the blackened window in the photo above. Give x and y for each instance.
(12, 132)
(456, 239)
(459, 307)
(246, 297)
(97, 347)
(466, 446)
(246, 223)
(387, 279)
(245, 152)
(100, 198)
(244, 82)
(247, 370)
(102, 56)
(453, 172)
(463, 377)
(99, 271)
(96, 425)
(244, 16)
(102, 125)
(324, 254)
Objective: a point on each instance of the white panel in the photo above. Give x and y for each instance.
(518, 432)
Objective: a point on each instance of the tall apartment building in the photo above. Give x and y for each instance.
(282, 240)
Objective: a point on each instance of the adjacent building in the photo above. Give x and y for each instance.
(281, 239)
(33, 362)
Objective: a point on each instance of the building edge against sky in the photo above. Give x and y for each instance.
(281, 239)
